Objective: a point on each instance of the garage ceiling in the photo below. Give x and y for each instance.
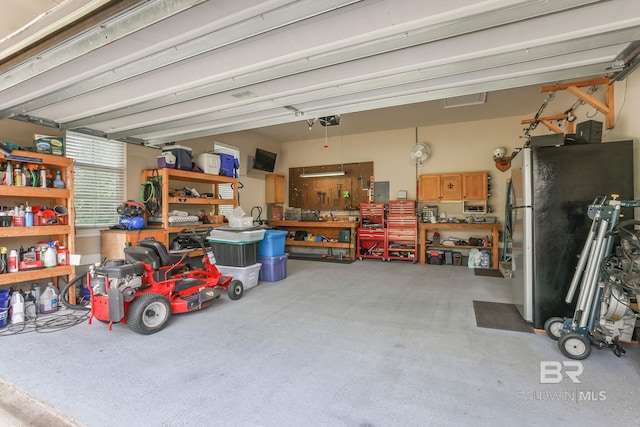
(156, 72)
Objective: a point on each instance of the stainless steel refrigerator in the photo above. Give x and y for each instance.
(552, 189)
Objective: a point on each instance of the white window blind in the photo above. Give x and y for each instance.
(99, 176)
(225, 190)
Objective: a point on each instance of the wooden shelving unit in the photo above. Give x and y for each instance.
(63, 233)
(169, 177)
(329, 229)
(494, 229)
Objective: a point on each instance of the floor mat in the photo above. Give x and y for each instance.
(497, 315)
(488, 272)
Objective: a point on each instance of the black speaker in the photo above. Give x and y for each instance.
(589, 132)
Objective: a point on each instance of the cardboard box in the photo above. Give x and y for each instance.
(47, 144)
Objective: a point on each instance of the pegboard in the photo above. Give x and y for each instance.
(328, 193)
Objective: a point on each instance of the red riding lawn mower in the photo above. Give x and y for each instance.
(150, 285)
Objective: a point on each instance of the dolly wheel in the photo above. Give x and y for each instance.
(553, 327)
(575, 346)
(235, 290)
(148, 313)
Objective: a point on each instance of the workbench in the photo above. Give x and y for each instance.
(329, 229)
(423, 228)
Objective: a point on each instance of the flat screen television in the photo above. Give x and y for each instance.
(264, 160)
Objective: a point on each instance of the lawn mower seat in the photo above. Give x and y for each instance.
(166, 258)
(137, 254)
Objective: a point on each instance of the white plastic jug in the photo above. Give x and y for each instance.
(17, 308)
(49, 300)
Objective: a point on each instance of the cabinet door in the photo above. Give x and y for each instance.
(451, 187)
(274, 189)
(474, 186)
(429, 188)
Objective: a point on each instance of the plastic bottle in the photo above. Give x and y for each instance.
(17, 307)
(28, 217)
(3, 260)
(485, 259)
(43, 177)
(211, 256)
(8, 174)
(58, 182)
(29, 305)
(49, 300)
(12, 263)
(35, 291)
(50, 256)
(63, 256)
(17, 175)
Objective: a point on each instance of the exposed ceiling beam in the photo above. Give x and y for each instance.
(263, 20)
(502, 82)
(514, 54)
(140, 16)
(397, 37)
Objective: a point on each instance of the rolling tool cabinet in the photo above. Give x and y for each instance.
(402, 231)
(372, 232)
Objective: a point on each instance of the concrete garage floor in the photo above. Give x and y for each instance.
(367, 344)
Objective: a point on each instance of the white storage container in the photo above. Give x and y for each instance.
(247, 275)
(225, 234)
(240, 222)
(209, 163)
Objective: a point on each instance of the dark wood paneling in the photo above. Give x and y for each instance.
(326, 193)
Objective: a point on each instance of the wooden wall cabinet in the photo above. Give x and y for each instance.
(274, 189)
(453, 187)
(429, 188)
(474, 186)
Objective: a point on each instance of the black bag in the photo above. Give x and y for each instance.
(300, 235)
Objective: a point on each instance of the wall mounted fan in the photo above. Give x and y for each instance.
(420, 153)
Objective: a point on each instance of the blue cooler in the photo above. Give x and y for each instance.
(272, 244)
(227, 165)
(273, 268)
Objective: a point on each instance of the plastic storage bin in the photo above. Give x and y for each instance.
(235, 254)
(247, 275)
(273, 243)
(208, 162)
(230, 234)
(184, 156)
(273, 268)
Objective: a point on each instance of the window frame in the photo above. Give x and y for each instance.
(89, 164)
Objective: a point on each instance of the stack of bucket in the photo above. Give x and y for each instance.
(236, 252)
(4, 308)
(272, 256)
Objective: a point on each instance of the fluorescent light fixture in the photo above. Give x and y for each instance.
(320, 174)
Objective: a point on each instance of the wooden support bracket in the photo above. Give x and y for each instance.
(547, 122)
(574, 88)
